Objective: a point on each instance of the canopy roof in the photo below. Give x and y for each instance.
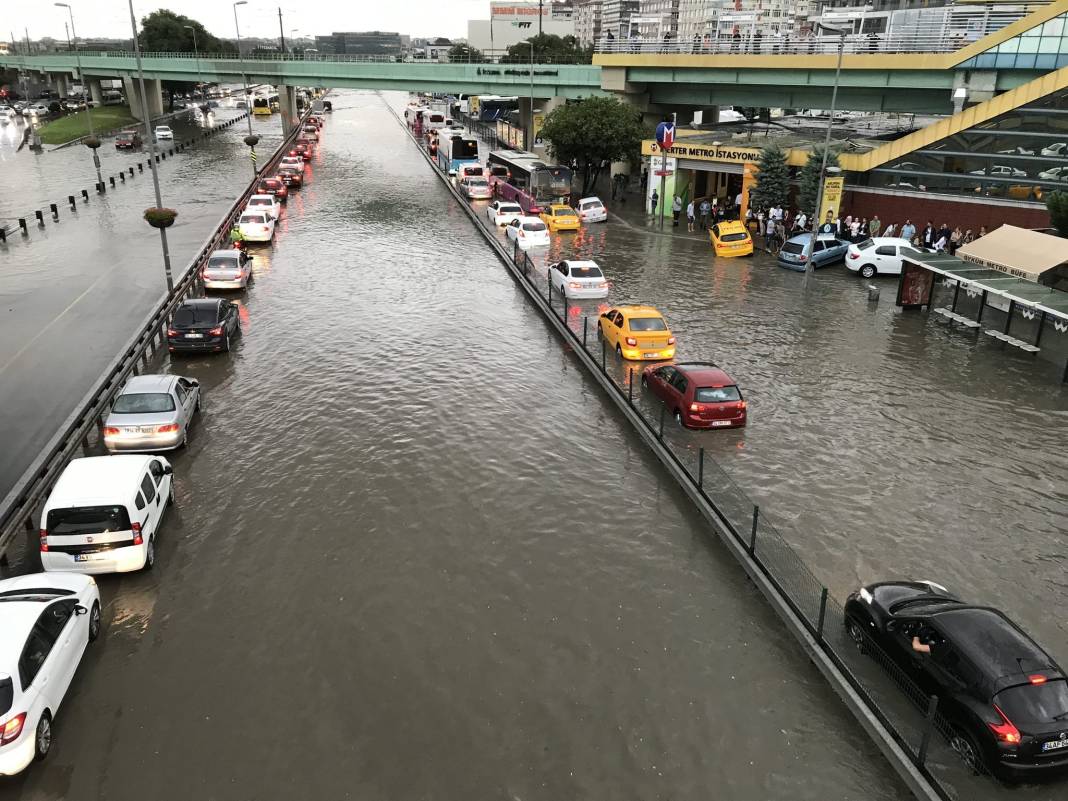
(1018, 252)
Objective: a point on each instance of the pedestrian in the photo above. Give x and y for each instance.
(863, 232)
(706, 210)
(969, 237)
(654, 199)
(929, 236)
(854, 230)
(945, 232)
(982, 232)
(875, 226)
(800, 221)
(736, 41)
(908, 230)
(955, 240)
(690, 217)
(941, 244)
(738, 203)
(676, 210)
(769, 233)
(236, 237)
(756, 42)
(760, 217)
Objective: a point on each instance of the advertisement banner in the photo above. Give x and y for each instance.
(539, 120)
(832, 198)
(914, 288)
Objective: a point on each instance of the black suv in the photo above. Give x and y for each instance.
(1006, 698)
(203, 324)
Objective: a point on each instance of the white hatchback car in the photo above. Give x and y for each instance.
(578, 279)
(163, 132)
(104, 514)
(47, 620)
(878, 256)
(256, 226)
(529, 232)
(267, 203)
(591, 209)
(502, 212)
(292, 161)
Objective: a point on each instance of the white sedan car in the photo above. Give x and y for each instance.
(578, 279)
(502, 212)
(256, 226)
(292, 161)
(163, 132)
(879, 256)
(267, 203)
(528, 232)
(1054, 174)
(47, 619)
(591, 209)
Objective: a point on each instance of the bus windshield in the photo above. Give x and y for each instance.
(549, 183)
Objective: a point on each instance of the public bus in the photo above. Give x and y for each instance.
(454, 151)
(529, 181)
(262, 106)
(494, 107)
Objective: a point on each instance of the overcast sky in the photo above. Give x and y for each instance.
(111, 18)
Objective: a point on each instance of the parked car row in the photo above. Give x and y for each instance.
(104, 515)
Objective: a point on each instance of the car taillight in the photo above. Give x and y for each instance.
(521, 232)
(171, 332)
(632, 342)
(216, 331)
(696, 407)
(44, 540)
(1005, 731)
(802, 258)
(111, 431)
(671, 340)
(264, 228)
(170, 428)
(742, 405)
(1037, 679)
(575, 285)
(535, 210)
(137, 540)
(13, 728)
(854, 255)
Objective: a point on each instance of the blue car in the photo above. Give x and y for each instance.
(828, 250)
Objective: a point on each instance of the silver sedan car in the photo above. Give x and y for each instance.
(227, 269)
(152, 413)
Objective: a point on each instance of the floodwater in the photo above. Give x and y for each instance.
(73, 292)
(416, 554)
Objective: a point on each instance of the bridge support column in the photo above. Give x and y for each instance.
(287, 100)
(61, 83)
(96, 92)
(639, 101)
(153, 88)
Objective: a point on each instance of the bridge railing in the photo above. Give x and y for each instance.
(468, 57)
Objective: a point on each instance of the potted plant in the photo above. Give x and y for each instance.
(92, 142)
(160, 218)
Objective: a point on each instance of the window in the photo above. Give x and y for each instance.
(201, 314)
(737, 236)
(717, 394)
(680, 383)
(715, 230)
(148, 489)
(796, 248)
(253, 218)
(867, 243)
(667, 374)
(886, 250)
(143, 403)
(1035, 703)
(648, 324)
(139, 502)
(179, 390)
(562, 268)
(87, 520)
(818, 247)
(618, 319)
(586, 272)
(7, 694)
(55, 616)
(156, 469)
(533, 226)
(34, 654)
(223, 263)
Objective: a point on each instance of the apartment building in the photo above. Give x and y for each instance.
(588, 21)
(616, 17)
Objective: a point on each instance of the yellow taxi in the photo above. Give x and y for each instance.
(638, 333)
(559, 217)
(731, 238)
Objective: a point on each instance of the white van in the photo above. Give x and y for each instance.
(104, 514)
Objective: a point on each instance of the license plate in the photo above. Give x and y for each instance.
(87, 557)
(651, 355)
(194, 336)
(1055, 745)
(148, 429)
(716, 423)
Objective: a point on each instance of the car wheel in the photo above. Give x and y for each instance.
(868, 271)
(967, 749)
(856, 635)
(226, 343)
(150, 555)
(94, 622)
(42, 738)
(600, 333)
(678, 419)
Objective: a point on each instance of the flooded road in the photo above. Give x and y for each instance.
(74, 292)
(415, 553)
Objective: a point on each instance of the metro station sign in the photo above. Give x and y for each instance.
(733, 155)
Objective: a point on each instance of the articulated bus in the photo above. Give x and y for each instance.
(264, 106)
(527, 180)
(454, 151)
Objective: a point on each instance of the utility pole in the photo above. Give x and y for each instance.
(281, 31)
(540, 7)
(27, 30)
(85, 94)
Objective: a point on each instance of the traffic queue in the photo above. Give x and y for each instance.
(104, 514)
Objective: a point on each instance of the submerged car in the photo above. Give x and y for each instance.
(638, 333)
(256, 226)
(730, 239)
(591, 210)
(502, 212)
(697, 394)
(273, 186)
(881, 255)
(476, 188)
(152, 413)
(227, 269)
(1005, 698)
(527, 232)
(203, 324)
(578, 279)
(128, 140)
(560, 217)
(794, 255)
(163, 132)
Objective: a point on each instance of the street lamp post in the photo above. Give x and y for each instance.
(531, 140)
(244, 75)
(88, 111)
(196, 53)
(150, 138)
(810, 247)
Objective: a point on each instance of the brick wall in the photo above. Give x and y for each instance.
(941, 209)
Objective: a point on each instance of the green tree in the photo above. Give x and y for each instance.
(773, 179)
(164, 31)
(1057, 203)
(592, 133)
(809, 180)
(465, 54)
(550, 49)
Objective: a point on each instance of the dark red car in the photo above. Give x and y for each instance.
(291, 177)
(302, 149)
(128, 140)
(697, 394)
(273, 186)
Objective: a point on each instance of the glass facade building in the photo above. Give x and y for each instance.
(1044, 47)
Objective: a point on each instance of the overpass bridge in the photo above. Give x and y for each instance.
(912, 75)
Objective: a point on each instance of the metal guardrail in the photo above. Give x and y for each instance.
(18, 509)
(900, 718)
(479, 57)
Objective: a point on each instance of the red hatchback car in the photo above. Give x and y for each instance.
(697, 394)
(273, 186)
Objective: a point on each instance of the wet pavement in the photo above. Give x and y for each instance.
(415, 553)
(74, 292)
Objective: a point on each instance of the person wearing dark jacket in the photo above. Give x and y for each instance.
(930, 235)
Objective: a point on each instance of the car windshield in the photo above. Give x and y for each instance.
(499, 172)
(735, 237)
(143, 403)
(509, 208)
(472, 171)
(223, 263)
(1035, 703)
(534, 226)
(252, 218)
(716, 394)
(195, 315)
(564, 213)
(586, 272)
(88, 520)
(477, 182)
(796, 248)
(867, 243)
(261, 201)
(647, 324)
(592, 204)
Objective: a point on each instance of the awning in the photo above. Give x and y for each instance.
(1017, 252)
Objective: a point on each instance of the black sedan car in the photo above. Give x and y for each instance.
(204, 324)
(1005, 697)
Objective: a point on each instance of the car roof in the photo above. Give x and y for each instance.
(591, 197)
(141, 384)
(706, 372)
(639, 311)
(732, 224)
(528, 218)
(232, 253)
(889, 240)
(991, 640)
(91, 478)
(807, 236)
(581, 263)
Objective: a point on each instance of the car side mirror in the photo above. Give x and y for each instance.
(168, 470)
(78, 610)
(892, 626)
